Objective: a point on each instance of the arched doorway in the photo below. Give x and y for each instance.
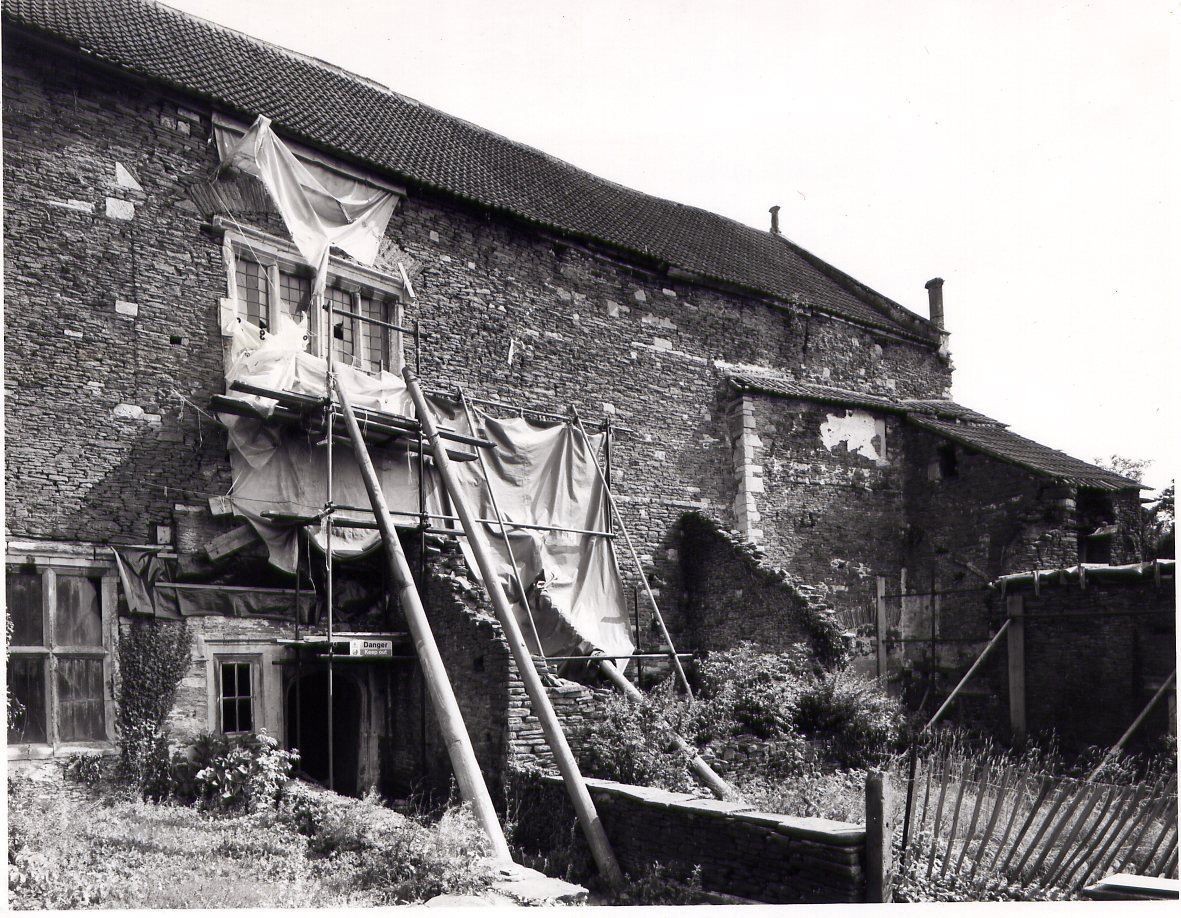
(307, 727)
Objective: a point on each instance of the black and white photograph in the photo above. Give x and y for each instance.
(590, 454)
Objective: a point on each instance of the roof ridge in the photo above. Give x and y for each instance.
(283, 49)
(521, 145)
(337, 109)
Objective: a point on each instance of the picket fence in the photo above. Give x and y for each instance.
(970, 817)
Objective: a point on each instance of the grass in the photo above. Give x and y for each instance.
(80, 847)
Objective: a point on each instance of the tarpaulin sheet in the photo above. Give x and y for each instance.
(276, 472)
(320, 207)
(147, 584)
(544, 474)
(541, 474)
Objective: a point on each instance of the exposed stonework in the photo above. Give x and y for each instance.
(731, 592)
(759, 856)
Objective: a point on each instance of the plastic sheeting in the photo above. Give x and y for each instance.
(545, 475)
(150, 590)
(275, 472)
(541, 474)
(320, 207)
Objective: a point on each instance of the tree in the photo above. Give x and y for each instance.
(1153, 532)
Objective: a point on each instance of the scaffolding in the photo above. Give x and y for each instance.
(333, 420)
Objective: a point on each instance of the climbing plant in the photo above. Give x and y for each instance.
(153, 657)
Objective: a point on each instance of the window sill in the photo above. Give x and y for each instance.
(24, 752)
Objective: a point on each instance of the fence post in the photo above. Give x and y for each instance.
(879, 837)
(1015, 606)
(881, 629)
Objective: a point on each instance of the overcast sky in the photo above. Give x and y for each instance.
(1020, 150)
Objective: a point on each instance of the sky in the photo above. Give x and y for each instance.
(1023, 151)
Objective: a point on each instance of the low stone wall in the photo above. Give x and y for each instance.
(740, 851)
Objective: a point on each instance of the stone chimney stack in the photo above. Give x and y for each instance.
(775, 219)
(935, 300)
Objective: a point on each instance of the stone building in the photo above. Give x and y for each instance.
(783, 433)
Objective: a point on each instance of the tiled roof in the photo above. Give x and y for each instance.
(345, 113)
(952, 421)
(1010, 447)
(812, 392)
(945, 408)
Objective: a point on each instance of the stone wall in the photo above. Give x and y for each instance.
(731, 592)
(1093, 659)
(112, 312)
(191, 714)
(740, 851)
(109, 323)
(829, 492)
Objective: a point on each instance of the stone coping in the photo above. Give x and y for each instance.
(827, 831)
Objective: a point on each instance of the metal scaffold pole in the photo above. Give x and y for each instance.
(329, 423)
(508, 545)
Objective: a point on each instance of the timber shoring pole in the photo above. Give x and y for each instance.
(508, 545)
(1123, 740)
(584, 806)
(459, 744)
(968, 675)
(635, 556)
(699, 766)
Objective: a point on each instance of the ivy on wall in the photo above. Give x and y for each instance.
(153, 657)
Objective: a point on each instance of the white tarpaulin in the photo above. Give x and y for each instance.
(540, 474)
(321, 208)
(545, 475)
(276, 472)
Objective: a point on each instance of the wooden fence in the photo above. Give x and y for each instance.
(971, 818)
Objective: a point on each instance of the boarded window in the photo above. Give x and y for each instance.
(26, 609)
(79, 612)
(26, 682)
(237, 698)
(80, 710)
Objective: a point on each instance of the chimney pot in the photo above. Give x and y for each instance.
(935, 300)
(774, 211)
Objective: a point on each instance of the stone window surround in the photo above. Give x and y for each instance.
(279, 256)
(266, 686)
(52, 562)
(253, 696)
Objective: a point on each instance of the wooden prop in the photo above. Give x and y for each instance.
(455, 736)
(588, 817)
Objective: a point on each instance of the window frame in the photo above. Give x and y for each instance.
(51, 569)
(277, 257)
(254, 662)
(263, 655)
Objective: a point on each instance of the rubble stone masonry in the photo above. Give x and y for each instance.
(113, 345)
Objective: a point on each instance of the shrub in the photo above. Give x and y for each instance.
(238, 774)
(630, 742)
(857, 723)
(153, 657)
(85, 768)
(748, 691)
